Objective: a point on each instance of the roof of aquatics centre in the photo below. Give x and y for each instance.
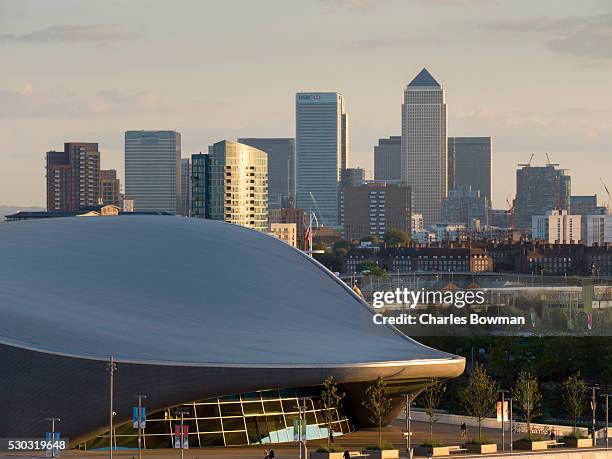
(172, 290)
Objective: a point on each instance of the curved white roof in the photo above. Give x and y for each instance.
(183, 291)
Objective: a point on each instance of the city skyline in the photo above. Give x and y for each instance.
(551, 99)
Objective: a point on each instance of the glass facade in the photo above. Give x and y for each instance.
(247, 419)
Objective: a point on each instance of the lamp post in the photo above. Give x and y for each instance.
(594, 408)
(52, 421)
(607, 412)
(111, 367)
(408, 433)
(503, 406)
(510, 400)
(140, 422)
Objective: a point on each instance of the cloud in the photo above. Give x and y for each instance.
(92, 33)
(356, 5)
(588, 37)
(394, 42)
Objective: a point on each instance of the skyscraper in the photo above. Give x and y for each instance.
(388, 159)
(238, 184)
(424, 143)
(153, 170)
(322, 153)
(200, 189)
(539, 190)
(281, 169)
(73, 177)
(353, 176)
(110, 188)
(186, 187)
(469, 164)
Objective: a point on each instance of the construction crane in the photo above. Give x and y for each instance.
(548, 163)
(511, 212)
(529, 163)
(607, 192)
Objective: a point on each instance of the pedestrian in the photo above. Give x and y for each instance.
(267, 455)
(463, 430)
(271, 454)
(346, 454)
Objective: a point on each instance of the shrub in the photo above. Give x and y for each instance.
(380, 447)
(479, 441)
(432, 444)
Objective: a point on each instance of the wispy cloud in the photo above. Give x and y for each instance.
(393, 42)
(356, 5)
(92, 33)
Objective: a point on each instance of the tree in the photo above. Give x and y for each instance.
(574, 396)
(330, 398)
(378, 403)
(375, 240)
(528, 397)
(397, 238)
(479, 396)
(432, 396)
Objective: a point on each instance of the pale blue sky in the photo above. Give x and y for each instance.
(536, 75)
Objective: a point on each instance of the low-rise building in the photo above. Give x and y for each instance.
(285, 232)
(598, 230)
(556, 227)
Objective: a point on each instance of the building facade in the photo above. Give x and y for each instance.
(353, 176)
(556, 227)
(464, 205)
(322, 153)
(200, 185)
(470, 164)
(110, 188)
(186, 187)
(598, 230)
(290, 215)
(281, 169)
(424, 145)
(239, 185)
(73, 177)
(153, 170)
(388, 159)
(538, 190)
(373, 208)
(285, 232)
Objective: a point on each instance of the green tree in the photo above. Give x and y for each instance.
(574, 396)
(528, 397)
(432, 396)
(378, 403)
(479, 396)
(397, 238)
(375, 240)
(330, 398)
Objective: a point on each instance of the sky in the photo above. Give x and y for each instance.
(534, 75)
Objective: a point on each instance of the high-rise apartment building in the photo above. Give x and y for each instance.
(353, 176)
(153, 170)
(239, 184)
(373, 208)
(73, 177)
(598, 230)
(281, 169)
(469, 164)
(388, 159)
(322, 153)
(185, 187)
(538, 190)
(424, 144)
(556, 227)
(110, 188)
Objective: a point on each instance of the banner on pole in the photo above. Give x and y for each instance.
(505, 411)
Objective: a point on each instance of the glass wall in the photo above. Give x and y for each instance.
(246, 419)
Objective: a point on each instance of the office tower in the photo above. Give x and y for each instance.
(469, 164)
(73, 177)
(585, 205)
(238, 184)
(464, 205)
(322, 153)
(185, 187)
(373, 208)
(538, 190)
(110, 188)
(293, 215)
(388, 159)
(281, 169)
(424, 143)
(353, 176)
(556, 227)
(153, 170)
(200, 189)
(598, 230)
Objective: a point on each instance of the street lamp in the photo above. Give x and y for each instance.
(594, 408)
(182, 412)
(111, 367)
(503, 407)
(408, 433)
(52, 421)
(510, 400)
(607, 423)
